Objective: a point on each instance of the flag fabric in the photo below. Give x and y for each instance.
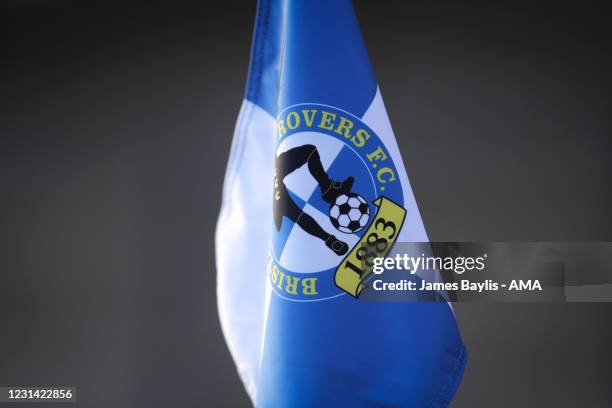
(314, 179)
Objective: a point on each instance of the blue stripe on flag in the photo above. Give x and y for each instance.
(262, 82)
(324, 57)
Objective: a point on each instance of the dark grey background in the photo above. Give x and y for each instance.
(115, 124)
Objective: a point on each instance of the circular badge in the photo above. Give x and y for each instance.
(336, 194)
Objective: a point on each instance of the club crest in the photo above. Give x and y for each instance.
(337, 204)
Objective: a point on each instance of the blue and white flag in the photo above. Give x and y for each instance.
(314, 177)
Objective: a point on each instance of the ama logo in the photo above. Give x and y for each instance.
(337, 204)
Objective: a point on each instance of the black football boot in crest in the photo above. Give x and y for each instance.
(339, 247)
(335, 188)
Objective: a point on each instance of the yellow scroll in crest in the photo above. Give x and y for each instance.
(375, 243)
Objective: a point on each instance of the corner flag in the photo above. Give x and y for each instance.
(314, 177)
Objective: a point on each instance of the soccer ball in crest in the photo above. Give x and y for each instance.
(349, 213)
